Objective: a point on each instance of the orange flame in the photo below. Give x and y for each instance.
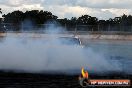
(84, 73)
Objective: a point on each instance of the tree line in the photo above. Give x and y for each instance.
(41, 17)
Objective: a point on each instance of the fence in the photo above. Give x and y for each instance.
(77, 28)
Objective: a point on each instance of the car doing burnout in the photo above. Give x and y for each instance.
(69, 40)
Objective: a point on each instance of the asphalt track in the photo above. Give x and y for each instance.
(117, 49)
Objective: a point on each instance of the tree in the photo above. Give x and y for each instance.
(0, 11)
(73, 21)
(39, 17)
(87, 20)
(14, 17)
(123, 19)
(34, 16)
(0, 18)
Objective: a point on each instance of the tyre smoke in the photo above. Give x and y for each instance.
(46, 53)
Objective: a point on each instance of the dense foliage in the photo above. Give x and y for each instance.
(41, 17)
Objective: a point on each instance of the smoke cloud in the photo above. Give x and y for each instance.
(39, 53)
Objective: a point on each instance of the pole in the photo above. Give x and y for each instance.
(98, 27)
(65, 26)
(75, 30)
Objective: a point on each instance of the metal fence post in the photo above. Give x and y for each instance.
(22, 26)
(75, 29)
(65, 26)
(98, 27)
(109, 27)
(131, 29)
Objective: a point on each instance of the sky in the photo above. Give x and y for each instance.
(103, 9)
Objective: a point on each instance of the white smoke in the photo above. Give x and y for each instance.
(46, 53)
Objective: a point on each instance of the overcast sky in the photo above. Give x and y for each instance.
(103, 9)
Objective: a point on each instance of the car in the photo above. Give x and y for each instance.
(69, 40)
